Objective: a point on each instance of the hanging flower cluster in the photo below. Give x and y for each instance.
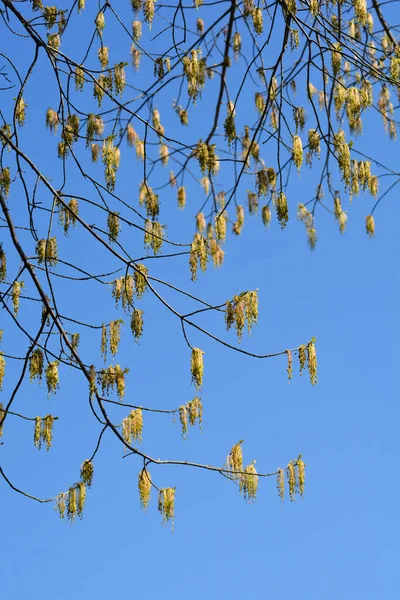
(189, 414)
(52, 378)
(132, 426)
(198, 254)
(71, 503)
(67, 213)
(308, 356)
(87, 472)
(153, 235)
(166, 504)
(46, 251)
(113, 378)
(36, 362)
(242, 309)
(144, 485)
(197, 367)
(43, 431)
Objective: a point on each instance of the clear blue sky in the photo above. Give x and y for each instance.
(341, 540)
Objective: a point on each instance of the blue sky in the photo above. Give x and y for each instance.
(341, 539)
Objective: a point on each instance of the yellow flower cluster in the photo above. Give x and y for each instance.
(111, 160)
(194, 68)
(370, 225)
(113, 226)
(43, 431)
(166, 503)
(36, 360)
(153, 235)
(240, 309)
(144, 485)
(52, 378)
(111, 378)
(340, 215)
(137, 324)
(189, 414)
(248, 482)
(46, 251)
(132, 426)
(5, 181)
(87, 472)
(94, 127)
(198, 254)
(52, 120)
(282, 209)
(208, 160)
(238, 225)
(15, 295)
(197, 367)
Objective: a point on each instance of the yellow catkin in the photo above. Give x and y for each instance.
(61, 505)
(52, 120)
(292, 482)
(144, 486)
(81, 497)
(47, 430)
(87, 472)
(242, 309)
(72, 506)
(280, 484)
(115, 335)
(113, 226)
(166, 504)
(140, 279)
(164, 154)
(220, 228)
(102, 54)
(248, 483)
(37, 432)
(104, 342)
(181, 197)
(301, 475)
(195, 409)
(289, 365)
(297, 152)
(266, 215)
(312, 361)
(137, 30)
(234, 461)
(197, 367)
(5, 181)
(36, 361)
(282, 209)
(92, 379)
(20, 111)
(302, 358)
(137, 324)
(183, 418)
(15, 295)
(370, 225)
(52, 378)
(200, 222)
(137, 424)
